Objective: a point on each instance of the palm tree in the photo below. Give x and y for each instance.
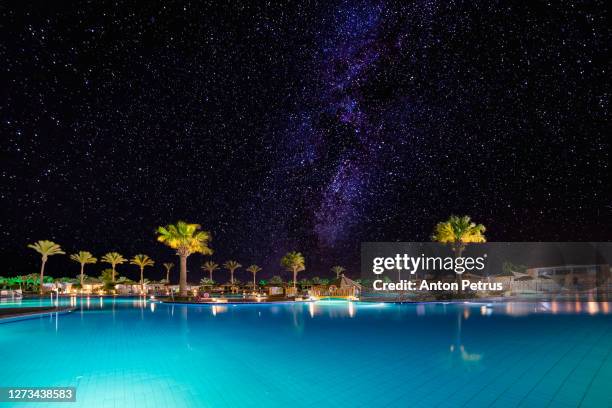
(231, 266)
(31, 280)
(305, 282)
(84, 258)
(45, 249)
(210, 266)
(294, 261)
(338, 270)
(107, 278)
(22, 281)
(142, 261)
(168, 266)
(254, 269)
(187, 239)
(114, 259)
(276, 280)
(458, 232)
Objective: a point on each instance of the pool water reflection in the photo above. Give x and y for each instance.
(132, 352)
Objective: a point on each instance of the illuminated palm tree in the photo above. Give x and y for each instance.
(210, 266)
(107, 280)
(294, 262)
(186, 239)
(142, 261)
(458, 232)
(45, 249)
(114, 259)
(254, 269)
(84, 258)
(168, 266)
(338, 270)
(231, 266)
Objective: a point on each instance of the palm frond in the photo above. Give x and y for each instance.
(185, 238)
(114, 258)
(84, 257)
(142, 260)
(46, 248)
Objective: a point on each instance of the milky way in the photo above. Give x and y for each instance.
(300, 126)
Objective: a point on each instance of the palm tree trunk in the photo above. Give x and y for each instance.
(168, 276)
(210, 274)
(113, 274)
(232, 276)
(183, 276)
(82, 273)
(458, 250)
(142, 279)
(294, 279)
(42, 274)
(254, 282)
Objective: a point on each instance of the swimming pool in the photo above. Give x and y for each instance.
(124, 352)
(34, 302)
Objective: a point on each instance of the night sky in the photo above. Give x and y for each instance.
(303, 126)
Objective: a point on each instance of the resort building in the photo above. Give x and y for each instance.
(275, 290)
(124, 289)
(343, 287)
(556, 279)
(574, 276)
(156, 288)
(229, 287)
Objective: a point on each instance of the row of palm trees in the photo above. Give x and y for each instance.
(49, 248)
(184, 238)
(187, 239)
(293, 260)
(231, 266)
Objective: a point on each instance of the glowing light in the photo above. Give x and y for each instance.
(420, 310)
(593, 307)
(554, 307)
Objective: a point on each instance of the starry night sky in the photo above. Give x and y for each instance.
(308, 126)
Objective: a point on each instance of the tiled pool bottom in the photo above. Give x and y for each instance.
(133, 354)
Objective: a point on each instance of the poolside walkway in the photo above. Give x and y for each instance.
(12, 312)
(237, 301)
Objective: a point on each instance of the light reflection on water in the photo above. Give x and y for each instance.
(340, 309)
(470, 345)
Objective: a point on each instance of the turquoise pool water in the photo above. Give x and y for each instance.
(33, 302)
(127, 353)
